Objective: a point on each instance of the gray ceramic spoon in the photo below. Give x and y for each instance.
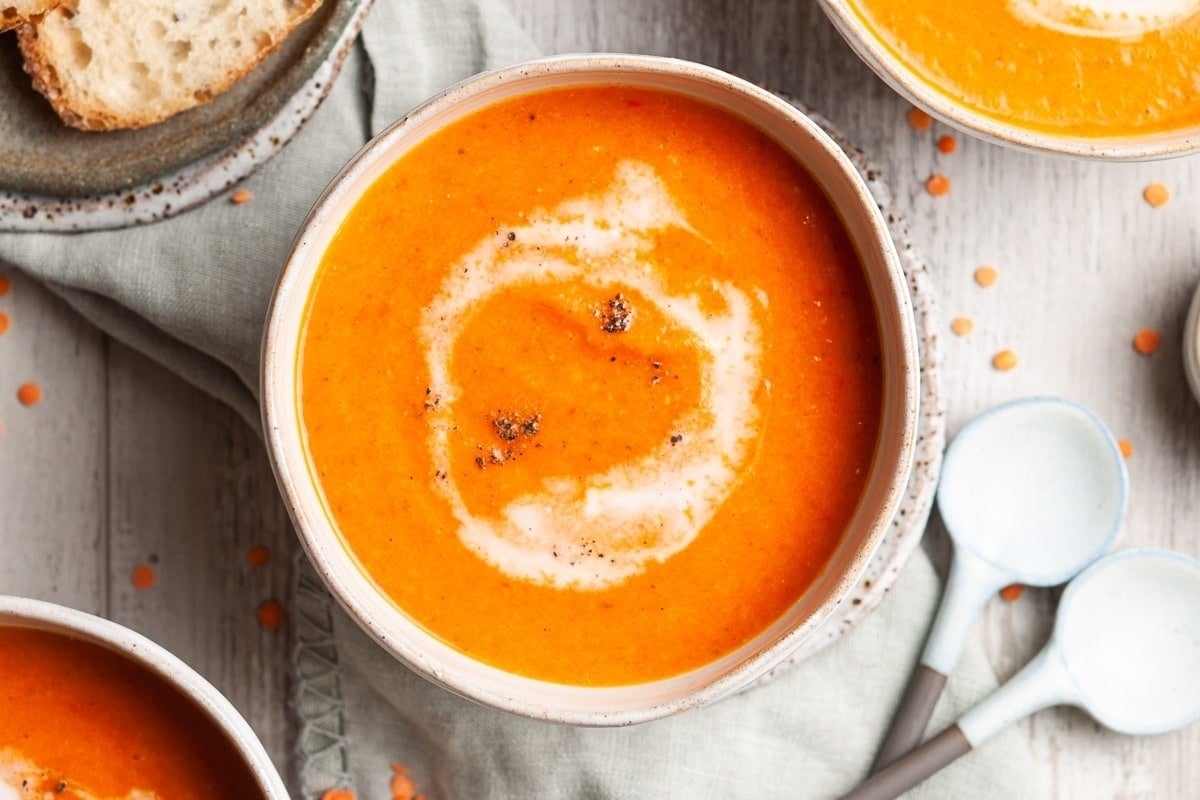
(1125, 648)
(1031, 492)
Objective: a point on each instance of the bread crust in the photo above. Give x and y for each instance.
(15, 13)
(68, 87)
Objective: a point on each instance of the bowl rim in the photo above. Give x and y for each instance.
(923, 94)
(541, 699)
(25, 612)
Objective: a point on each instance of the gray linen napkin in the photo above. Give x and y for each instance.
(192, 292)
(808, 733)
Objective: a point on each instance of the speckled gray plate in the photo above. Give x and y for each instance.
(57, 178)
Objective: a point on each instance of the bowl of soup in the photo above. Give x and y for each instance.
(1106, 79)
(591, 386)
(91, 710)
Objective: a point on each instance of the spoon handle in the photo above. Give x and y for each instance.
(912, 717)
(909, 770)
(971, 584)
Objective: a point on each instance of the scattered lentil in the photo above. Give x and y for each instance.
(402, 786)
(938, 185)
(258, 556)
(143, 576)
(919, 120)
(961, 326)
(1012, 592)
(3, 322)
(5, 285)
(1156, 195)
(270, 614)
(29, 394)
(1004, 360)
(947, 144)
(338, 794)
(1126, 447)
(986, 276)
(1146, 341)
(240, 196)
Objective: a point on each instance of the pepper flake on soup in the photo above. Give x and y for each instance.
(591, 383)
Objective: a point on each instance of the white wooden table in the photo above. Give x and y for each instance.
(123, 463)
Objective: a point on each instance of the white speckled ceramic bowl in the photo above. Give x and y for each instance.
(22, 612)
(387, 623)
(925, 95)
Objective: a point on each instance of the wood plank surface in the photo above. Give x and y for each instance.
(123, 463)
(190, 492)
(53, 455)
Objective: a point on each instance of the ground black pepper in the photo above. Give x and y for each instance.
(616, 315)
(510, 427)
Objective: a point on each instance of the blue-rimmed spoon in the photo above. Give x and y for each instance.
(1031, 492)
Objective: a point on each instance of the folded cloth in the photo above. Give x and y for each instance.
(810, 732)
(193, 291)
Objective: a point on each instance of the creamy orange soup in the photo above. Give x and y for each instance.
(591, 383)
(1090, 68)
(78, 722)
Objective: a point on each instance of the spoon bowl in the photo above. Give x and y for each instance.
(1031, 492)
(1036, 488)
(1129, 634)
(1125, 649)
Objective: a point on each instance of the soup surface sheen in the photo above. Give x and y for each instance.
(78, 722)
(591, 383)
(1093, 68)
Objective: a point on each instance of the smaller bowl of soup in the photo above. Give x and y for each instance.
(90, 710)
(591, 386)
(1104, 79)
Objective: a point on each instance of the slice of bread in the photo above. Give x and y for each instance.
(109, 64)
(16, 12)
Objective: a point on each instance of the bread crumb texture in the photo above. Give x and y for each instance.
(106, 65)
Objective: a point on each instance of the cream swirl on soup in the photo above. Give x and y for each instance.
(596, 530)
(21, 779)
(1111, 19)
